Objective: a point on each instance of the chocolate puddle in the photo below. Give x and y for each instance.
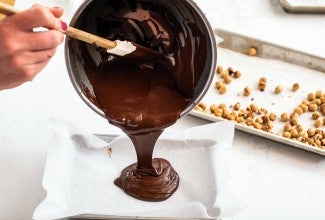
(143, 98)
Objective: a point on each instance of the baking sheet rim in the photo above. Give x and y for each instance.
(262, 134)
(300, 8)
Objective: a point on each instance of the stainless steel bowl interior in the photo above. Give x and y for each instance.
(83, 86)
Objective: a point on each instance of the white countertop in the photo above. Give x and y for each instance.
(271, 180)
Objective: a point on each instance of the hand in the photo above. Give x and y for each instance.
(24, 53)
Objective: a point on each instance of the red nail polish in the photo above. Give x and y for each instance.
(64, 25)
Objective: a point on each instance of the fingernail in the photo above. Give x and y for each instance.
(64, 25)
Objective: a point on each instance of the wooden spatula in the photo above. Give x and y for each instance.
(120, 48)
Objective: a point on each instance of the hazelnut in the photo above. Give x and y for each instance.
(319, 123)
(295, 87)
(315, 116)
(322, 99)
(311, 132)
(293, 121)
(305, 102)
(259, 120)
(219, 69)
(249, 121)
(299, 128)
(317, 102)
(222, 89)
(286, 134)
(252, 51)
(299, 110)
(272, 116)
(303, 107)
(303, 134)
(247, 91)
(213, 108)
(284, 117)
(240, 120)
(234, 113)
(310, 141)
(262, 84)
(318, 137)
(293, 132)
(237, 106)
(318, 94)
(287, 127)
(237, 74)
(318, 143)
(202, 105)
(227, 79)
(230, 71)
(253, 107)
(230, 117)
(310, 96)
(218, 84)
(225, 113)
(263, 79)
(312, 107)
(218, 112)
(198, 108)
(278, 89)
(224, 73)
(294, 115)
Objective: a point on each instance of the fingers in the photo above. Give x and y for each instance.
(56, 11)
(25, 53)
(39, 56)
(20, 61)
(30, 71)
(18, 29)
(25, 67)
(39, 16)
(36, 41)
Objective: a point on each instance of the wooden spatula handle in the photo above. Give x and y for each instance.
(7, 9)
(90, 38)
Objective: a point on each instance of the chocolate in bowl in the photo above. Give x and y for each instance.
(143, 98)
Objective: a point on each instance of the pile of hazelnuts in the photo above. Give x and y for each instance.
(261, 119)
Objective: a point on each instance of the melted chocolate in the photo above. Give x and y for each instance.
(139, 97)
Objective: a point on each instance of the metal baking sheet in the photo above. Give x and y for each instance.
(281, 66)
(303, 6)
(98, 217)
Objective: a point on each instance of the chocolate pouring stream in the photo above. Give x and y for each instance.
(143, 98)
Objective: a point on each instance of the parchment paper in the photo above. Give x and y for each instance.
(79, 175)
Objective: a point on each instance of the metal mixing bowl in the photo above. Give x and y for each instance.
(84, 89)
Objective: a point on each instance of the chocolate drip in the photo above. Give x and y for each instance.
(143, 98)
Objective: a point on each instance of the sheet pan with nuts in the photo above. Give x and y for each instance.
(268, 91)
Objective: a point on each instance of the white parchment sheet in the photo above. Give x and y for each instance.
(79, 175)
